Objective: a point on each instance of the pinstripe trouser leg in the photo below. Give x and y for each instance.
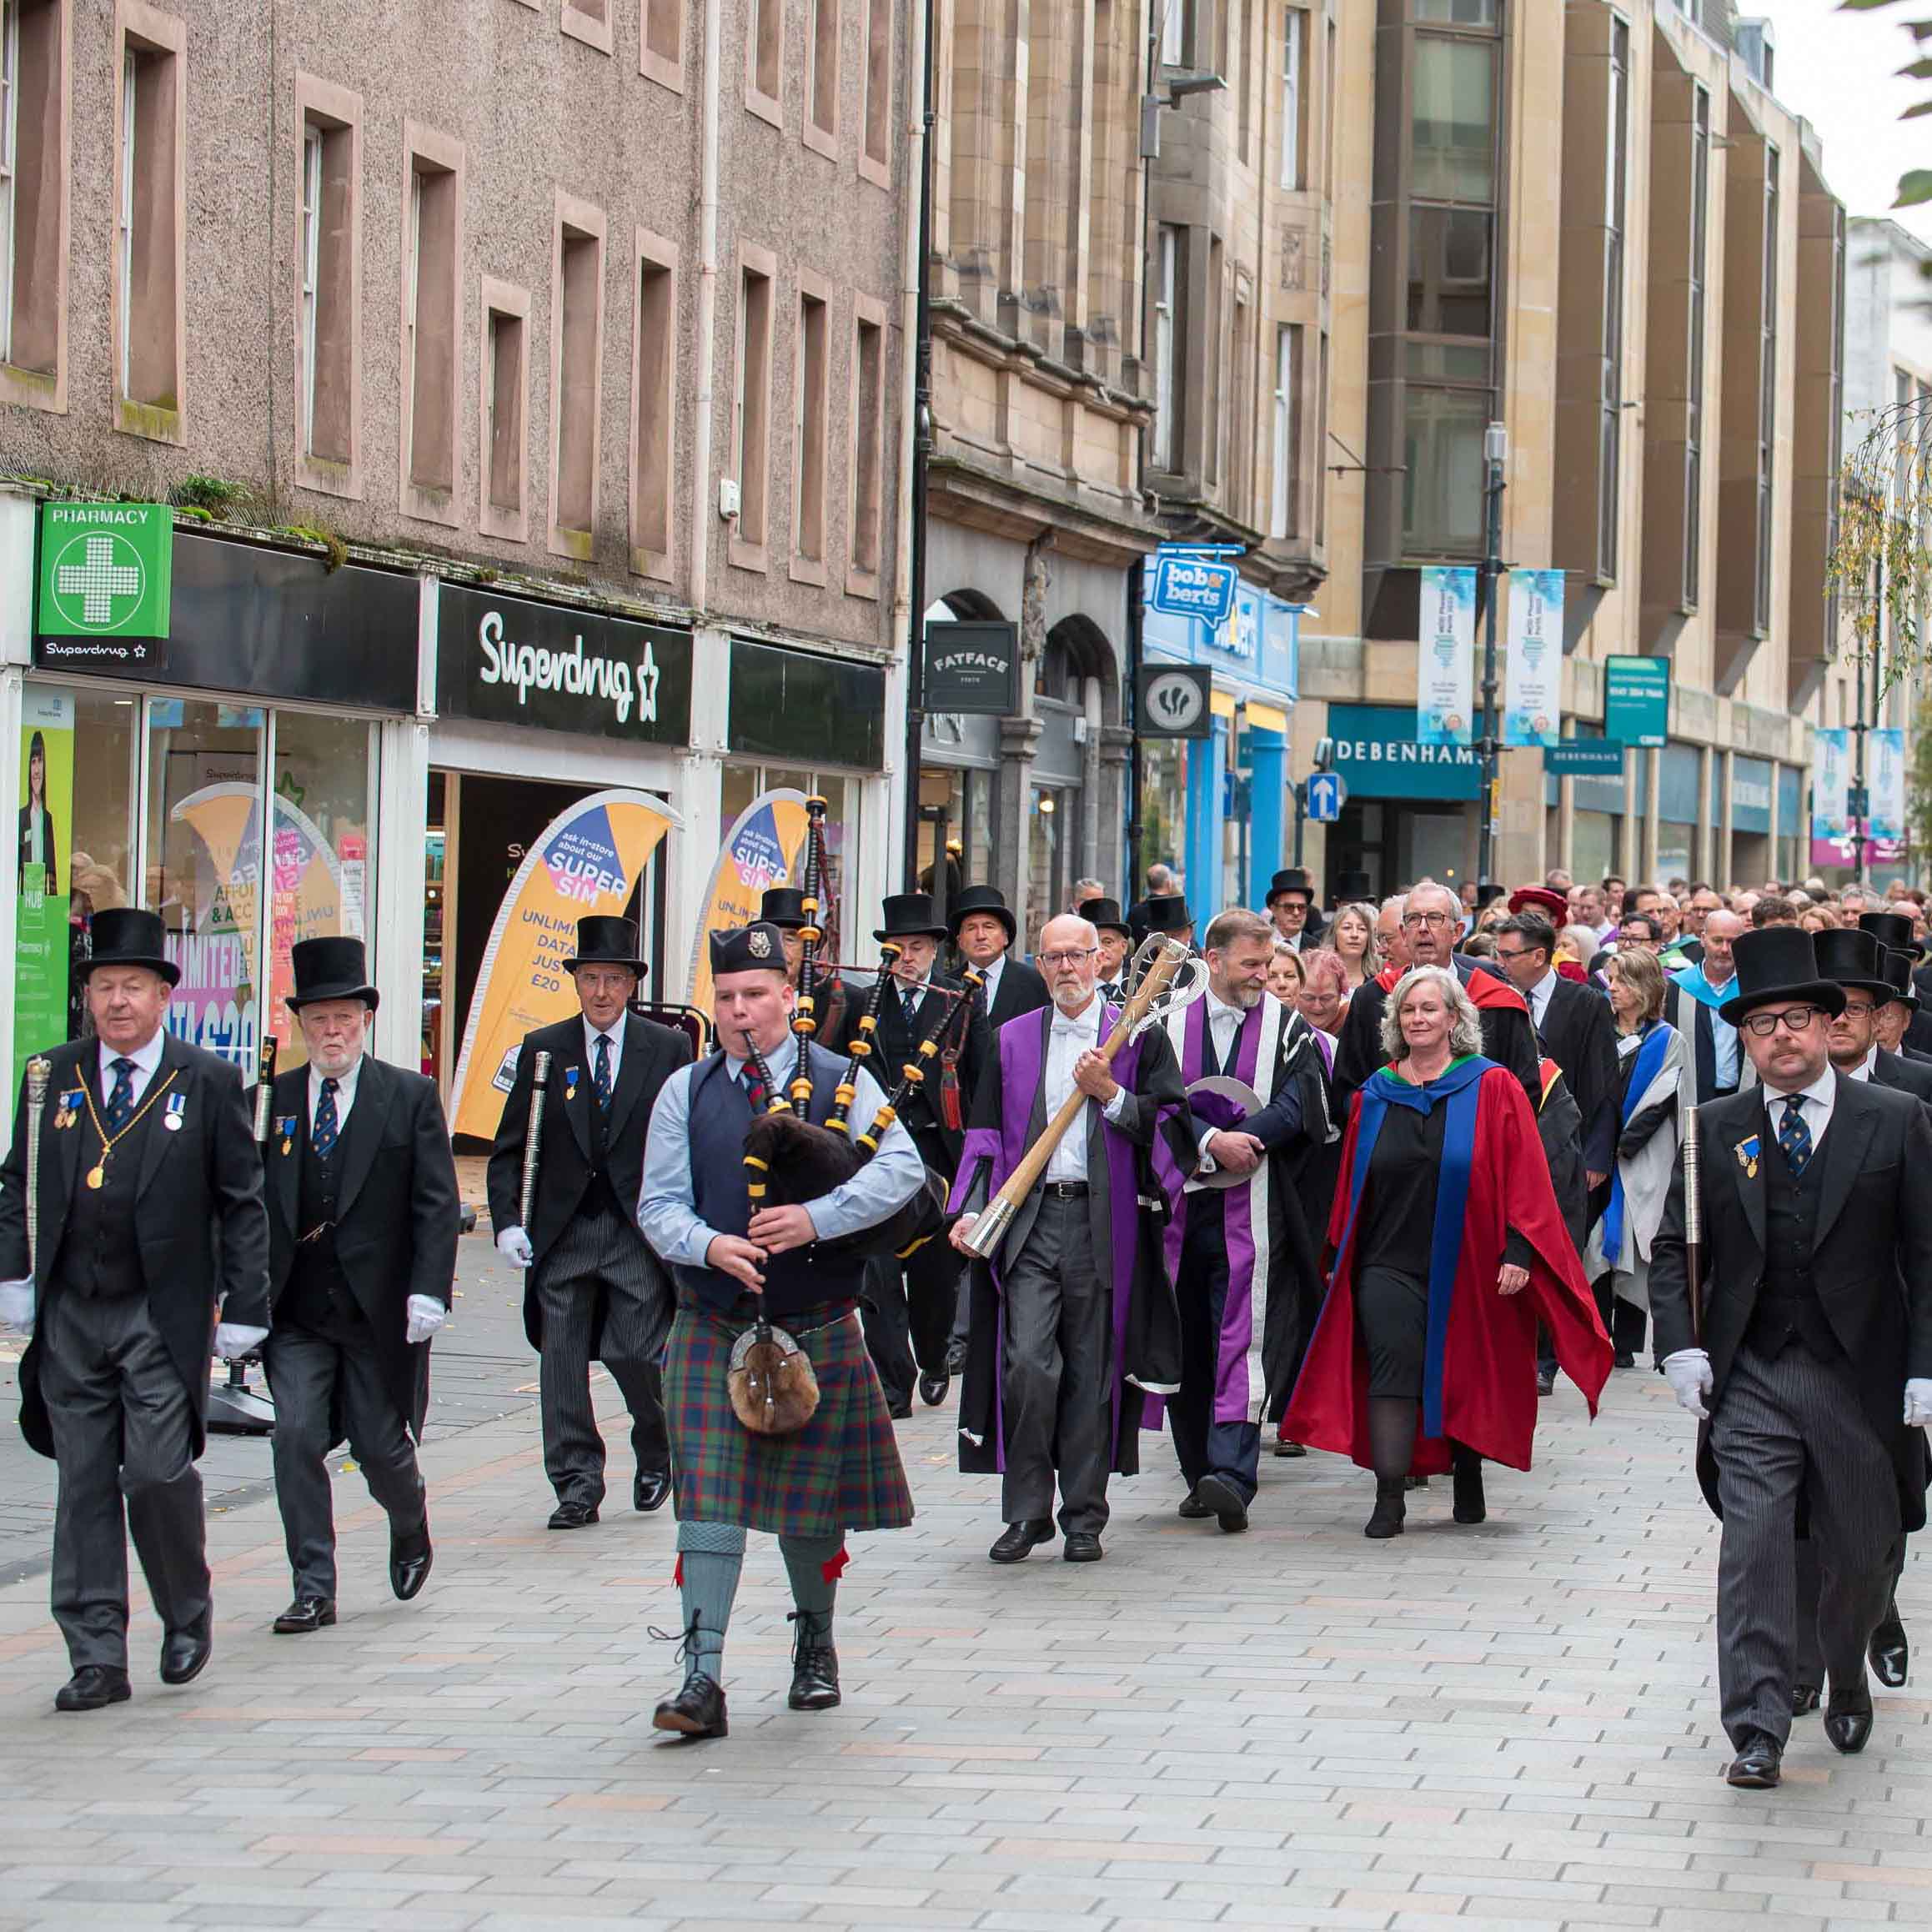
(1786, 1423)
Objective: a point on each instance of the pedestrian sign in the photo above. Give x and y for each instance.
(106, 569)
(1326, 793)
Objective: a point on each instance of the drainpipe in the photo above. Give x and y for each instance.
(703, 499)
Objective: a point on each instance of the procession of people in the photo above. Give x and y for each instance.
(1362, 1179)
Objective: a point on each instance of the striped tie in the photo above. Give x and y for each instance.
(1794, 1137)
(327, 1129)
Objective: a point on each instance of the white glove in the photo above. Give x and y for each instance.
(232, 1340)
(514, 1245)
(1918, 1399)
(426, 1316)
(1688, 1373)
(16, 1306)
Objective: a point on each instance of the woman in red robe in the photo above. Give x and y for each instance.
(1448, 1249)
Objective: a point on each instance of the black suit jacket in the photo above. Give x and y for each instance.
(1913, 1076)
(893, 1044)
(1580, 1036)
(1871, 1256)
(198, 1216)
(398, 1217)
(1021, 990)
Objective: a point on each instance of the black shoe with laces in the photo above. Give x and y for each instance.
(814, 1664)
(697, 1711)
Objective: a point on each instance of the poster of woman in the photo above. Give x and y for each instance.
(36, 836)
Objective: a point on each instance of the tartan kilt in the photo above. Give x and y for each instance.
(840, 1472)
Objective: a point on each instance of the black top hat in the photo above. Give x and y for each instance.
(126, 935)
(1106, 914)
(1897, 967)
(603, 940)
(1892, 929)
(1854, 959)
(1778, 962)
(1168, 913)
(1488, 892)
(909, 915)
(330, 968)
(756, 946)
(1292, 879)
(982, 899)
(1352, 885)
(784, 907)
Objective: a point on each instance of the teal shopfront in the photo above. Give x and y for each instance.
(1412, 808)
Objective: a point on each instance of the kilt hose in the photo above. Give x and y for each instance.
(840, 1472)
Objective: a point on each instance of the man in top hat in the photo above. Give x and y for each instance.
(984, 930)
(593, 1290)
(1810, 1364)
(363, 1218)
(910, 1305)
(1291, 904)
(1893, 932)
(1116, 946)
(1853, 958)
(1167, 912)
(840, 1470)
(1901, 1008)
(150, 1233)
(784, 907)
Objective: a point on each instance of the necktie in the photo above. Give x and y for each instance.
(121, 1101)
(908, 1001)
(754, 1086)
(601, 1075)
(328, 1129)
(1794, 1137)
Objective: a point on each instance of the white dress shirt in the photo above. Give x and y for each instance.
(991, 975)
(1863, 1071)
(345, 1084)
(1539, 998)
(1067, 1037)
(147, 1064)
(1819, 1098)
(615, 1034)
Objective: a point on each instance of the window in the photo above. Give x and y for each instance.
(588, 20)
(1294, 33)
(809, 433)
(1321, 446)
(1610, 427)
(576, 362)
(328, 323)
(149, 195)
(876, 154)
(764, 43)
(1453, 131)
(1328, 115)
(9, 162)
(505, 402)
(1217, 356)
(1700, 171)
(751, 408)
(660, 46)
(821, 79)
(868, 445)
(1167, 441)
(33, 199)
(1767, 398)
(1285, 481)
(1177, 31)
(1442, 481)
(653, 435)
(432, 338)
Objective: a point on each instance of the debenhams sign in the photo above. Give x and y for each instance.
(506, 660)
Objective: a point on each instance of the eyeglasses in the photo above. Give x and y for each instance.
(1794, 1019)
(1859, 1009)
(1435, 919)
(1517, 952)
(1071, 956)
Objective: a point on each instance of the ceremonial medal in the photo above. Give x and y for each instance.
(98, 1175)
(177, 1105)
(571, 1075)
(1747, 1152)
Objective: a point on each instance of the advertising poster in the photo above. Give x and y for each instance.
(765, 848)
(587, 862)
(41, 933)
(1885, 754)
(1532, 708)
(215, 1005)
(1830, 781)
(309, 898)
(1445, 660)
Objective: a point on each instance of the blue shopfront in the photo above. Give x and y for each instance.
(1218, 807)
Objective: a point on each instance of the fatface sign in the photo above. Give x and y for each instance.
(972, 668)
(505, 660)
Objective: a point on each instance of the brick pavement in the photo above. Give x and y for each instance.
(1509, 1727)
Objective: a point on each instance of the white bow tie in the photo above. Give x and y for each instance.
(1078, 1029)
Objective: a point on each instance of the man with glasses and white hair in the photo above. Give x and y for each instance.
(1432, 919)
(1073, 1315)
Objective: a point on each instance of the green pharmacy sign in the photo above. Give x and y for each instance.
(106, 572)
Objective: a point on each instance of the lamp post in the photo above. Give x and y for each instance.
(1495, 453)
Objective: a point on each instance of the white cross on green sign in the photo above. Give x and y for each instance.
(106, 569)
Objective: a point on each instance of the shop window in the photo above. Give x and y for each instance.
(809, 435)
(876, 152)
(1294, 52)
(433, 244)
(150, 194)
(97, 848)
(798, 706)
(588, 20)
(751, 408)
(505, 409)
(576, 358)
(1165, 434)
(653, 406)
(764, 47)
(743, 783)
(33, 201)
(868, 446)
(329, 326)
(821, 78)
(660, 53)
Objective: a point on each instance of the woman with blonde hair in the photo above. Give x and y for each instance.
(1324, 995)
(1448, 1248)
(1352, 939)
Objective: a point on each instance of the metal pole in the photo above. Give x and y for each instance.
(1300, 788)
(1494, 447)
(921, 458)
(1858, 840)
(1135, 588)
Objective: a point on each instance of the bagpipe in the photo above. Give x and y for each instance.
(791, 1159)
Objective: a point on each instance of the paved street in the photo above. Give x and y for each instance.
(1509, 1726)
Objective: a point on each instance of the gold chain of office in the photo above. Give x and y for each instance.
(98, 1174)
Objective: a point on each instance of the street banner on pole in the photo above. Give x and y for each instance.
(1531, 705)
(1445, 656)
(1830, 801)
(1886, 828)
(587, 862)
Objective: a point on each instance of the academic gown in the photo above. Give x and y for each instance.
(1127, 1207)
(1479, 1359)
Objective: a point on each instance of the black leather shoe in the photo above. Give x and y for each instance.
(1757, 1765)
(184, 1655)
(304, 1614)
(650, 1490)
(573, 1516)
(932, 1389)
(1285, 1448)
(1546, 1382)
(1222, 1498)
(1467, 1474)
(1082, 1547)
(1804, 1699)
(1391, 1506)
(409, 1560)
(697, 1711)
(814, 1664)
(91, 1688)
(1194, 1508)
(1018, 1539)
(956, 1357)
(900, 1412)
(1848, 1719)
(1890, 1654)
(1626, 1358)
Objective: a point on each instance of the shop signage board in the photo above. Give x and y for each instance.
(1191, 584)
(41, 935)
(1532, 703)
(1377, 753)
(1175, 701)
(1584, 757)
(1636, 701)
(106, 582)
(508, 660)
(972, 668)
(1445, 656)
